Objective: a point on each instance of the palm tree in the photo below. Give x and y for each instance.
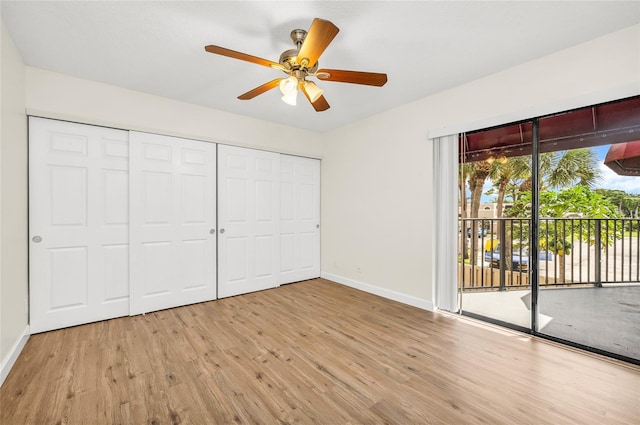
(479, 172)
(546, 165)
(464, 171)
(575, 167)
(564, 169)
(505, 174)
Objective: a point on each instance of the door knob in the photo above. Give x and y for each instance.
(36, 239)
(221, 230)
(212, 231)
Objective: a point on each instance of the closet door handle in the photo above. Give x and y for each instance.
(212, 231)
(221, 231)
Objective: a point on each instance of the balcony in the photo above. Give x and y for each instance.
(572, 252)
(589, 278)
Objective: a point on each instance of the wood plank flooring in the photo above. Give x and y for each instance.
(313, 352)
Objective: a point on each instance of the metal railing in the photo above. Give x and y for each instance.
(495, 253)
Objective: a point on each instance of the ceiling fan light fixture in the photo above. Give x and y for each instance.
(290, 99)
(300, 63)
(313, 91)
(289, 86)
(289, 89)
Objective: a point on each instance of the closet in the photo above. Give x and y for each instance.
(249, 220)
(78, 224)
(299, 218)
(124, 222)
(172, 227)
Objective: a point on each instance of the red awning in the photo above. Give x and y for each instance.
(624, 158)
(608, 123)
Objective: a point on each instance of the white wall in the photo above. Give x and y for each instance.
(13, 204)
(377, 185)
(61, 96)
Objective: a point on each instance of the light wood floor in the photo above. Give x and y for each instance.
(311, 352)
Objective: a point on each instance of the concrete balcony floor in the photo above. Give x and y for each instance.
(606, 318)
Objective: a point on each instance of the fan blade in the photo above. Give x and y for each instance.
(260, 89)
(318, 38)
(353, 77)
(242, 56)
(319, 105)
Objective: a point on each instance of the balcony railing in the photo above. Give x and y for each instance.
(495, 253)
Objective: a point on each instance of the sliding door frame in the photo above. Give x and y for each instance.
(535, 255)
(535, 224)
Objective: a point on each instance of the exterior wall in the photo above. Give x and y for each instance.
(486, 210)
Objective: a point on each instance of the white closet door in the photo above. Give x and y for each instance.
(173, 215)
(78, 224)
(248, 217)
(299, 218)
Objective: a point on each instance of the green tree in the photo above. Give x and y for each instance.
(628, 203)
(579, 200)
(558, 170)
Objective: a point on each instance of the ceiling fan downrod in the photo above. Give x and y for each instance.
(298, 37)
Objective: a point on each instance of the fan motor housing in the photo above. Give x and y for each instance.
(288, 57)
(288, 60)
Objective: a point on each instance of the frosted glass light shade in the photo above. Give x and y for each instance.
(290, 98)
(289, 85)
(289, 89)
(313, 91)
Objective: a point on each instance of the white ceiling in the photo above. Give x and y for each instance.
(424, 47)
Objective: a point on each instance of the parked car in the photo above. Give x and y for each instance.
(519, 258)
(481, 232)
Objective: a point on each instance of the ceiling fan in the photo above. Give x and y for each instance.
(301, 63)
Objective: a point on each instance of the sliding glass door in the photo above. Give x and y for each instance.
(588, 209)
(494, 269)
(549, 226)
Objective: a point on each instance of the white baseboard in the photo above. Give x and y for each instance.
(12, 356)
(382, 292)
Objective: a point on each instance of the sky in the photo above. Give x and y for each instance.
(610, 180)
